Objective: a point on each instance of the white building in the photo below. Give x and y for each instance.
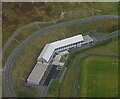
(49, 50)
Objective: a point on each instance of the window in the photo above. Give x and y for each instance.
(81, 41)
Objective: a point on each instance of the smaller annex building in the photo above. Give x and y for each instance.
(48, 52)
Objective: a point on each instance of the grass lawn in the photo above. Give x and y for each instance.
(63, 58)
(66, 55)
(98, 77)
(110, 47)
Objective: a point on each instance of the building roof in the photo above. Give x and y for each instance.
(37, 72)
(67, 41)
(87, 39)
(49, 48)
(47, 52)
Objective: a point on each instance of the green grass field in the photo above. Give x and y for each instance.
(107, 47)
(98, 77)
(63, 58)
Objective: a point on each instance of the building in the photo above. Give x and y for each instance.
(48, 52)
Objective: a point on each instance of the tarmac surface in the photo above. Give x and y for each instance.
(50, 75)
(7, 85)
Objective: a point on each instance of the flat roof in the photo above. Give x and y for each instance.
(87, 38)
(37, 72)
(47, 52)
(67, 41)
(49, 48)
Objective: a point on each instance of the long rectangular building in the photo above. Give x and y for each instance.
(48, 52)
(37, 74)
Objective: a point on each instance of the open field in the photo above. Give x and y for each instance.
(98, 77)
(18, 14)
(102, 26)
(109, 47)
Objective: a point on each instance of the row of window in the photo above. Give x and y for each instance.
(68, 46)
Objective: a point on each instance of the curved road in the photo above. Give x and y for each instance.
(8, 66)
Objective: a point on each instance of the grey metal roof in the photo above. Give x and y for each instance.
(87, 39)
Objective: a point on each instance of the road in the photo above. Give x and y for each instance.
(8, 66)
(43, 91)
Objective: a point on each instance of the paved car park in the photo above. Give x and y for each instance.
(50, 75)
